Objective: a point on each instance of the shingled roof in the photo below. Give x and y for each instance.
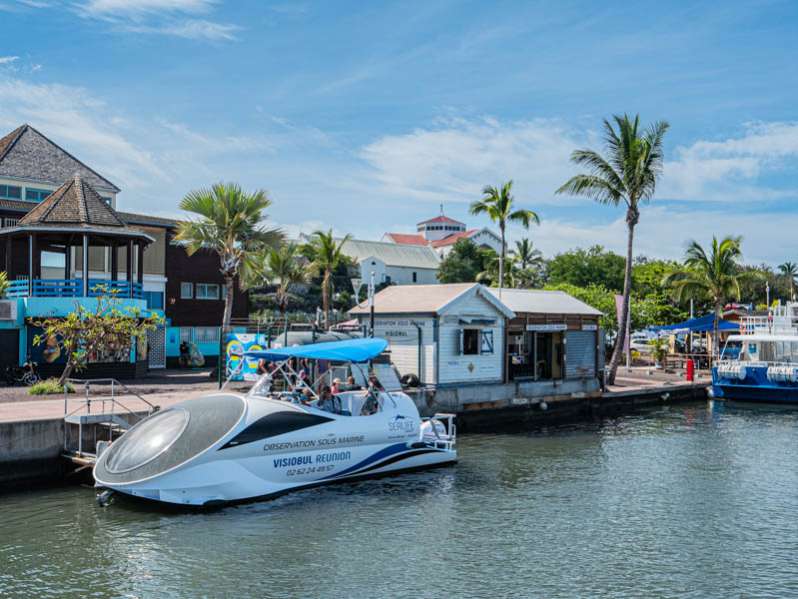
(75, 203)
(27, 154)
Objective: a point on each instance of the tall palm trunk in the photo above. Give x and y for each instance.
(325, 297)
(501, 260)
(623, 321)
(228, 302)
(715, 323)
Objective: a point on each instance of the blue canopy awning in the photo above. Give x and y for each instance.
(702, 324)
(350, 350)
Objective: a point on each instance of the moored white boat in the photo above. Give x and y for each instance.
(763, 366)
(228, 447)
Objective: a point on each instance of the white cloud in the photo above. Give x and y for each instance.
(139, 8)
(455, 160)
(8, 59)
(190, 29)
(71, 116)
(730, 169)
(452, 161)
(163, 17)
(663, 232)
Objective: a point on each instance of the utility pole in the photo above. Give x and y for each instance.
(371, 305)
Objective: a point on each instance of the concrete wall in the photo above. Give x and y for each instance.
(30, 450)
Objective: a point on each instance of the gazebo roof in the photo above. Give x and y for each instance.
(76, 207)
(74, 203)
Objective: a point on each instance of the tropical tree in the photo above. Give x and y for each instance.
(3, 283)
(84, 333)
(327, 254)
(714, 277)
(527, 255)
(490, 273)
(228, 224)
(626, 176)
(790, 270)
(498, 204)
(284, 268)
(463, 262)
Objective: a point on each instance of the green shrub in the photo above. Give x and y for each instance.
(49, 387)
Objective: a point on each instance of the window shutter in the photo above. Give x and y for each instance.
(460, 340)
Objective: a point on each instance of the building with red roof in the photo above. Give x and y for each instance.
(442, 232)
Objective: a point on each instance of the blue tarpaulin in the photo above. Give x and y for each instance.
(702, 324)
(351, 350)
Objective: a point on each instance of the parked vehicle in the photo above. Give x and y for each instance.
(27, 374)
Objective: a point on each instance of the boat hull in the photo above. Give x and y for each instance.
(229, 448)
(754, 387)
(218, 484)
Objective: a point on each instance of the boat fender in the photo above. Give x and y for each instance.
(544, 406)
(741, 372)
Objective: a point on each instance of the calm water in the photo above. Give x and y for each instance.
(682, 502)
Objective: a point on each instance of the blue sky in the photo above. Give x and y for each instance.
(367, 116)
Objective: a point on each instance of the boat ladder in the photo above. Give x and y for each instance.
(93, 421)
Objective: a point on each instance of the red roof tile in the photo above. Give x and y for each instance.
(441, 219)
(453, 238)
(407, 239)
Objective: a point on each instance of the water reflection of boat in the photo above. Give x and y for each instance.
(230, 447)
(763, 363)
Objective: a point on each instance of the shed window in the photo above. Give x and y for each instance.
(470, 342)
(186, 290)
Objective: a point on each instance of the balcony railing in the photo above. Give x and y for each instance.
(72, 288)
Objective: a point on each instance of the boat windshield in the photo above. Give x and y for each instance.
(778, 351)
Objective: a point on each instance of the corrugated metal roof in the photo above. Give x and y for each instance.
(424, 299)
(537, 301)
(392, 254)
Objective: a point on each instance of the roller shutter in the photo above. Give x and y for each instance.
(580, 357)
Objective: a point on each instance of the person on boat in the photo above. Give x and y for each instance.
(328, 401)
(372, 403)
(351, 385)
(336, 386)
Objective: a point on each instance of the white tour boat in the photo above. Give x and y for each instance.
(227, 447)
(761, 363)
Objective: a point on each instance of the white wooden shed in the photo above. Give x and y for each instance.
(446, 334)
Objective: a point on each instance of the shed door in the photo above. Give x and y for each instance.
(580, 356)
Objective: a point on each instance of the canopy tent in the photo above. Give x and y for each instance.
(351, 350)
(702, 324)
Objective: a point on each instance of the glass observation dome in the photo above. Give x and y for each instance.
(147, 440)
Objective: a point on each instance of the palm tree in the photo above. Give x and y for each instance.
(283, 268)
(490, 274)
(327, 256)
(790, 270)
(228, 224)
(627, 176)
(527, 254)
(498, 205)
(713, 277)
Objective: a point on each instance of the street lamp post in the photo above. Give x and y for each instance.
(371, 305)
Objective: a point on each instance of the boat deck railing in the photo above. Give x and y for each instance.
(103, 410)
